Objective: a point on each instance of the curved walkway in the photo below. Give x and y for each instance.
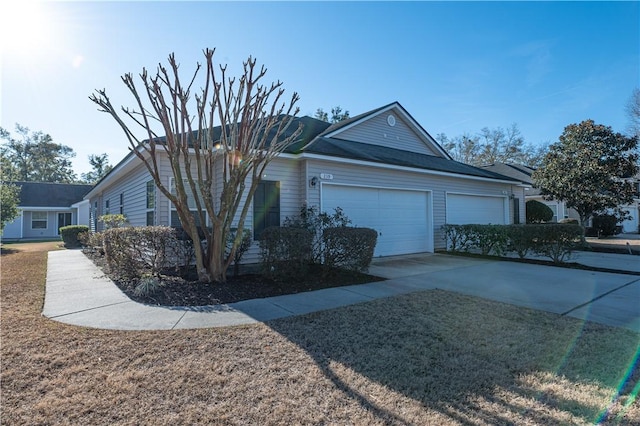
(78, 293)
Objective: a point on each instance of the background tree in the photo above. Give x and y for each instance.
(254, 129)
(491, 146)
(100, 165)
(337, 115)
(633, 112)
(9, 201)
(589, 169)
(34, 157)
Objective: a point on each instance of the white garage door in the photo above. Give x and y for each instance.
(400, 217)
(465, 209)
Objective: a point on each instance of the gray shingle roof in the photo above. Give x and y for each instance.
(380, 154)
(516, 171)
(44, 194)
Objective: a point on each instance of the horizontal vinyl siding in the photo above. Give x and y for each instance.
(133, 186)
(376, 131)
(380, 178)
(287, 172)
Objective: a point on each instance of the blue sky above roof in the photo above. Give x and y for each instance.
(455, 66)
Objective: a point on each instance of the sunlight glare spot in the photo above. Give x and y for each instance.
(24, 27)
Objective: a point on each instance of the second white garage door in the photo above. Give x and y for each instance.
(401, 217)
(465, 209)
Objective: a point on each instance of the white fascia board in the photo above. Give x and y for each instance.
(41, 209)
(79, 203)
(402, 168)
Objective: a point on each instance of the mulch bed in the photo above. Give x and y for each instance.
(187, 291)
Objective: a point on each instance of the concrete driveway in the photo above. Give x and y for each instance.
(78, 293)
(606, 298)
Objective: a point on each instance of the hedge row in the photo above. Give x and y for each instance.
(556, 240)
(287, 252)
(134, 252)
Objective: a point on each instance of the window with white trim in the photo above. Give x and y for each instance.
(191, 202)
(38, 220)
(106, 207)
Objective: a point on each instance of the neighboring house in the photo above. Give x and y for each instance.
(45, 207)
(559, 208)
(381, 167)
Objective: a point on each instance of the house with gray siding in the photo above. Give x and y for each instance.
(560, 209)
(46, 207)
(381, 167)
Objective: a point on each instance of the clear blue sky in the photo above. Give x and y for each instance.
(455, 66)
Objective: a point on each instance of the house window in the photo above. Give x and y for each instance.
(95, 217)
(151, 203)
(516, 211)
(122, 203)
(106, 207)
(64, 219)
(191, 202)
(266, 207)
(38, 220)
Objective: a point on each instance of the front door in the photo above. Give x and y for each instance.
(64, 219)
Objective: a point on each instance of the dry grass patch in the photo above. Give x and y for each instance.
(426, 358)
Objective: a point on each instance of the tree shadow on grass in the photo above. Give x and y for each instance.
(467, 359)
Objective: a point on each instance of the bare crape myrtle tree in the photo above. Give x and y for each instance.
(217, 155)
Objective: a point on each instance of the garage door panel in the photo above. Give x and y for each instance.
(477, 209)
(399, 216)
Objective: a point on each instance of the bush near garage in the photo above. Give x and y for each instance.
(70, 234)
(349, 248)
(604, 225)
(285, 252)
(537, 212)
(554, 240)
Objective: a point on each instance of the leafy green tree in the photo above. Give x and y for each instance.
(100, 165)
(337, 115)
(9, 201)
(34, 157)
(589, 168)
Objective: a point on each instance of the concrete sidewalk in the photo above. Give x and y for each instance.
(77, 293)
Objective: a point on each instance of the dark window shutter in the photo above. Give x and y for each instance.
(266, 207)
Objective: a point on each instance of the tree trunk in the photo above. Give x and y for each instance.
(216, 264)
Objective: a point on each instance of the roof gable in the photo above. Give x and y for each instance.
(45, 194)
(389, 126)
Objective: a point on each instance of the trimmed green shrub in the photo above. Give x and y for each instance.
(604, 224)
(316, 223)
(486, 238)
(538, 212)
(113, 220)
(557, 241)
(521, 239)
(286, 252)
(134, 252)
(70, 235)
(349, 248)
(554, 240)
